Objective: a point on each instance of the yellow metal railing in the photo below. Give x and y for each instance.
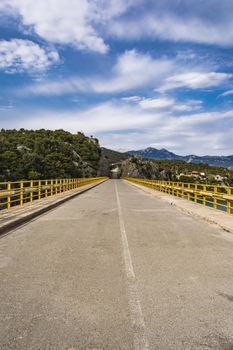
(217, 197)
(21, 192)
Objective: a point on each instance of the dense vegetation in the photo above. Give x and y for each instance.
(114, 157)
(29, 154)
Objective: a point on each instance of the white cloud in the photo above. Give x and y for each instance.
(86, 24)
(110, 116)
(74, 22)
(188, 106)
(227, 93)
(165, 103)
(120, 124)
(195, 80)
(156, 103)
(206, 22)
(199, 133)
(131, 98)
(132, 70)
(19, 55)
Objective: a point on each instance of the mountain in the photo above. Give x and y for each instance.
(163, 154)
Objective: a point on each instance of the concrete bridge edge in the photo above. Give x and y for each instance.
(6, 228)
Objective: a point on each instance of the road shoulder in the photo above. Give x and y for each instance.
(12, 218)
(210, 215)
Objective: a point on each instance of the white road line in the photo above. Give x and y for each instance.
(138, 324)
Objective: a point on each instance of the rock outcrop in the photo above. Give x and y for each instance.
(142, 168)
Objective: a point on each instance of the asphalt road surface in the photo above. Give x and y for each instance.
(112, 269)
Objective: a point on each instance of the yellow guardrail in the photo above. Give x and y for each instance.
(217, 197)
(21, 192)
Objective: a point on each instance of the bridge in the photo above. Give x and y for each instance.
(115, 264)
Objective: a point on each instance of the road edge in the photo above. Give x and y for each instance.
(24, 219)
(193, 212)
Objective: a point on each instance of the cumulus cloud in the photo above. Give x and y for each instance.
(87, 25)
(109, 116)
(74, 22)
(19, 55)
(130, 126)
(195, 80)
(132, 70)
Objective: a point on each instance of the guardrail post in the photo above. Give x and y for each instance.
(51, 187)
(56, 182)
(215, 197)
(31, 189)
(195, 193)
(39, 189)
(182, 192)
(229, 201)
(21, 193)
(204, 197)
(46, 189)
(188, 191)
(8, 195)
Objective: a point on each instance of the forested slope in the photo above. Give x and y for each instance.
(33, 154)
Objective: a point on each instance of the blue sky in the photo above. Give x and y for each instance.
(134, 73)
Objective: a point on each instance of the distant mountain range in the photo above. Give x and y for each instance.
(163, 154)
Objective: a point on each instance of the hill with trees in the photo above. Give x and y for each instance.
(114, 156)
(34, 154)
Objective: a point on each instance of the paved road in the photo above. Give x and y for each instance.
(112, 269)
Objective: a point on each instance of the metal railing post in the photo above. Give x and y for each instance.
(46, 189)
(56, 183)
(31, 189)
(215, 197)
(188, 191)
(229, 201)
(8, 195)
(51, 187)
(21, 193)
(39, 189)
(204, 197)
(195, 193)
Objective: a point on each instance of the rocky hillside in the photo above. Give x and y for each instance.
(29, 154)
(143, 168)
(114, 156)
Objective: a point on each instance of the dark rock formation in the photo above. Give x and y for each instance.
(142, 168)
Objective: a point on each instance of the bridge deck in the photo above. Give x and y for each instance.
(116, 269)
